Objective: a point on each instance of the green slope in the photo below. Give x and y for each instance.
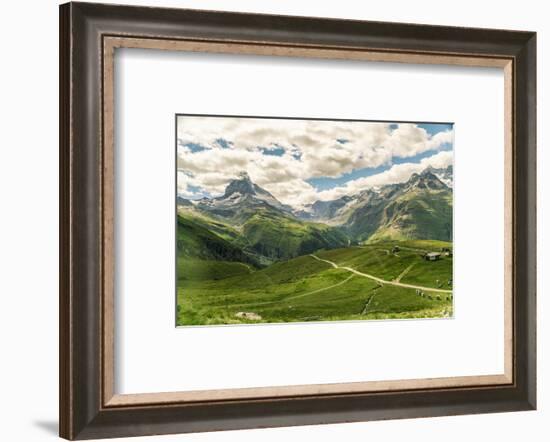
(378, 259)
(265, 236)
(281, 237)
(191, 270)
(305, 289)
(415, 215)
(196, 239)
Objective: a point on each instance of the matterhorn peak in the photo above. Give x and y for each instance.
(243, 176)
(242, 184)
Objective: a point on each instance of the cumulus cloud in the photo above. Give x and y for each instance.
(398, 173)
(183, 185)
(281, 155)
(408, 140)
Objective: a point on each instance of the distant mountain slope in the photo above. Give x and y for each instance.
(282, 237)
(240, 201)
(247, 223)
(445, 175)
(420, 208)
(196, 239)
(323, 210)
(255, 222)
(417, 215)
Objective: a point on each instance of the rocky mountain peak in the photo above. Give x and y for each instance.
(425, 180)
(241, 195)
(242, 184)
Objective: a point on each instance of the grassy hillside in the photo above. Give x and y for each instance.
(265, 237)
(245, 257)
(380, 260)
(416, 214)
(191, 270)
(436, 274)
(306, 289)
(281, 237)
(374, 260)
(196, 239)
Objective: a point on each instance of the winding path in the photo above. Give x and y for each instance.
(380, 280)
(404, 272)
(321, 289)
(295, 296)
(245, 265)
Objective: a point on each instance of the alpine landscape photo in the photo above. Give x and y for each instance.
(298, 220)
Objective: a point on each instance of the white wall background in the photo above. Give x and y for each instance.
(29, 234)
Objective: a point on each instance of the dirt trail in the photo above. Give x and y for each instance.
(247, 266)
(380, 280)
(322, 289)
(371, 297)
(412, 249)
(404, 272)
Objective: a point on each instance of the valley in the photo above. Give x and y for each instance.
(384, 253)
(311, 288)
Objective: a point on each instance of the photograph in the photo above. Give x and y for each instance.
(284, 220)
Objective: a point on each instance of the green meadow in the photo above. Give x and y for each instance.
(384, 280)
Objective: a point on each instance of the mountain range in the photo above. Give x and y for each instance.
(248, 224)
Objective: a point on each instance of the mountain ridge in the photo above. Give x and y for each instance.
(267, 230)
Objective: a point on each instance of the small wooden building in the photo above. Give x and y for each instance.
(432, 256)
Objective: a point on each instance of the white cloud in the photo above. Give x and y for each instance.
(409, 140)
(398, 173)
(183, 185)
(295, 192)
(312, 149)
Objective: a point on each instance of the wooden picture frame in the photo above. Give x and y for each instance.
(89, 34)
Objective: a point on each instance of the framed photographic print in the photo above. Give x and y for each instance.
(271, 220)
(295, 220)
